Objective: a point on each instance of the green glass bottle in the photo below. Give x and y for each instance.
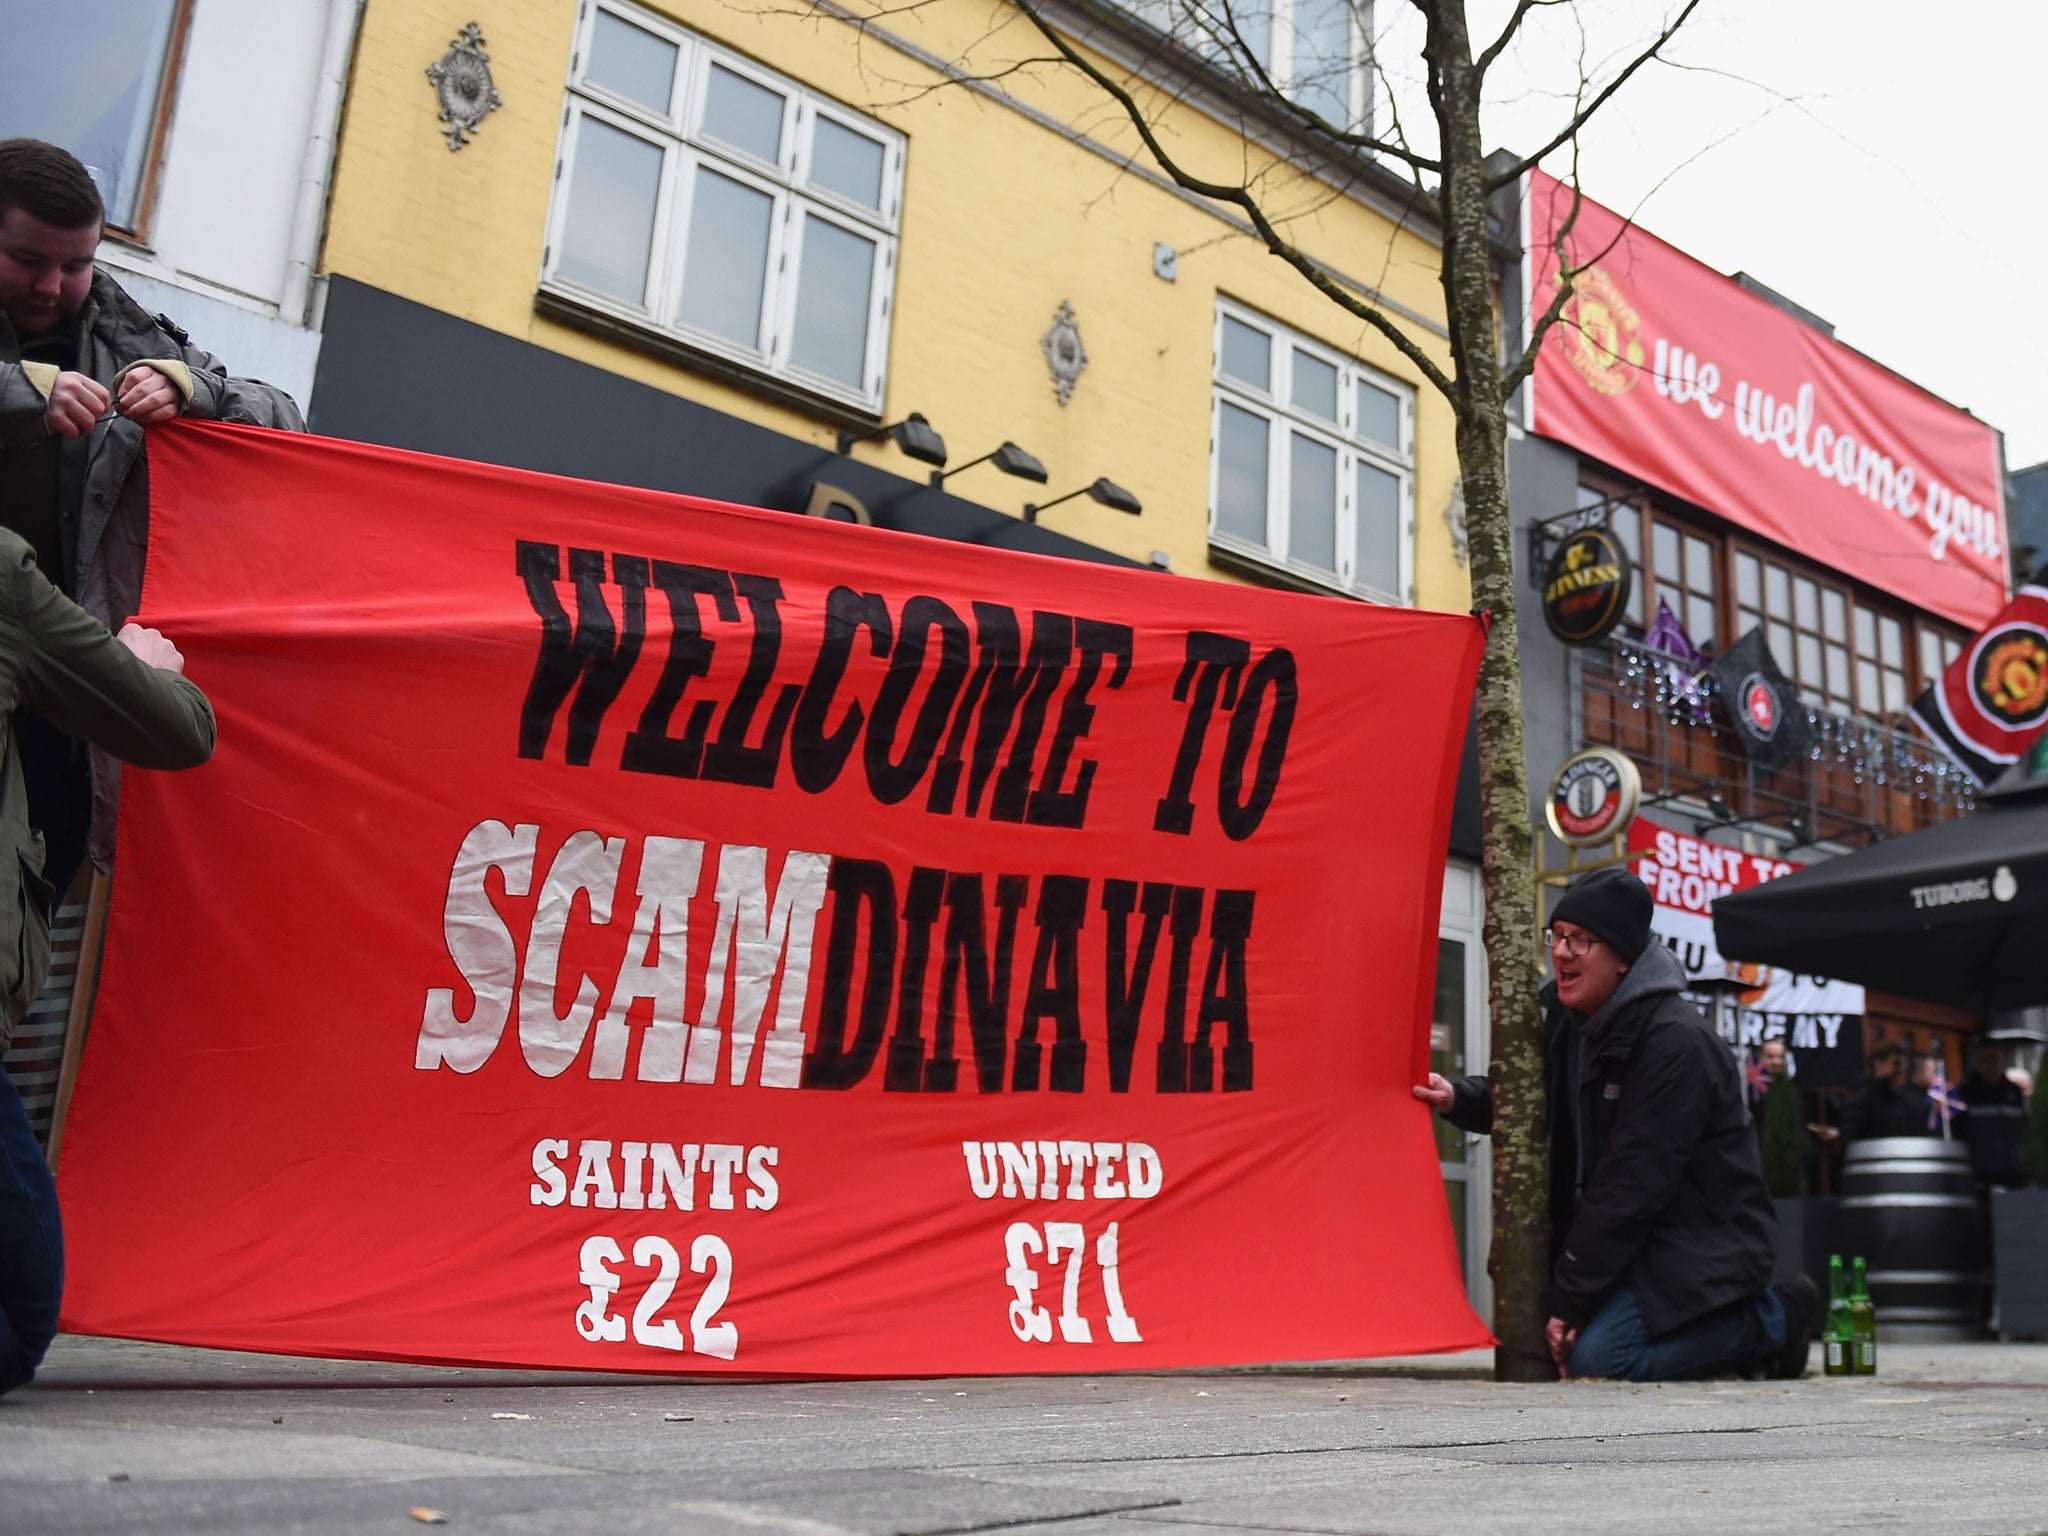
(1862, 1323)
(1837, 1339)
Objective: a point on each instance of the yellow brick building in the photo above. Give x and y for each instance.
(652, 170)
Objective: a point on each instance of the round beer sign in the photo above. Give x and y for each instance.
(1593, 798)
(1585, 588)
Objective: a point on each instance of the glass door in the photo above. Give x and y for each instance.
(1459, 1045)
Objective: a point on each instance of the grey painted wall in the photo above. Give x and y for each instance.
(1543, 481)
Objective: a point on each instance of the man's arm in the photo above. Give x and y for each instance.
(91, 685)
(37, 399)
(1467, 1103)
(195, 383)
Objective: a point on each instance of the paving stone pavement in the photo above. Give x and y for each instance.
(128, 1437)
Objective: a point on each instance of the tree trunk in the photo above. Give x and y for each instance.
(1520, 1262)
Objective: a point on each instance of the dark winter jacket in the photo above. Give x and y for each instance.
(109, 533)
(1994, 1127)
(1877, 1109)
(1655, 1182)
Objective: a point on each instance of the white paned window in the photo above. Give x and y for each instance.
(1312, 463)
(1311, 51)
(96, 79)
(707, 199)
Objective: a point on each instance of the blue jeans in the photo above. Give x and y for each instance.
(1738, 1337)
(31, 1246)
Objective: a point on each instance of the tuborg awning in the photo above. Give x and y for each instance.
(1957, 913)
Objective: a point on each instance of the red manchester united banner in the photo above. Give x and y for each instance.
(625, 932)
(1679, 376)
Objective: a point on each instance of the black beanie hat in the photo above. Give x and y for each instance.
(1612, 905)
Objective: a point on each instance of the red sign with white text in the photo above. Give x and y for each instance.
(1818, 1019)
(1670, 372)
(625, 932)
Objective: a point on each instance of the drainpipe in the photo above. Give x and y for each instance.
(309, 213)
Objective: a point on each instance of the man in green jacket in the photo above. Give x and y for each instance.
(127, 696)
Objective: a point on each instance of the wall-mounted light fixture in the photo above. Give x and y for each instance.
(913, 435)
(1009, 458)
(1106, 491)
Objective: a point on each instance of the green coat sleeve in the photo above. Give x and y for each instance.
(70, 670)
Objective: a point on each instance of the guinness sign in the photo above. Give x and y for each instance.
(1586, 586)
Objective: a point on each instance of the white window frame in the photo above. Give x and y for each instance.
(679, 134)
(1181, 21)
(1276, 406)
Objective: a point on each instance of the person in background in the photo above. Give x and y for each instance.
(1770, 1066)
(1885, 1103)
(1662, 1230)
(126, 696)
(1994, 1124)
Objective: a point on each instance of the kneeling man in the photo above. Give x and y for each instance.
(1662, 1232)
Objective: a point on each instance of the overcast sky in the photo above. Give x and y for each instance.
(1876, 161)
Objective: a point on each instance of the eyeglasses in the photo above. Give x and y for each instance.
(1577, 945)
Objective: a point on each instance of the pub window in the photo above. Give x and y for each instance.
(1682, 572)
(96, 79)
(1880, 663)
(1626, 521)
(1314, 52)
(1313, 460)
(704, 197)
(1806, 623)
(1891, 662)
(1938, 650)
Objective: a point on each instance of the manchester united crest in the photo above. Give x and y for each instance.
(2009, 675)
(1992, 702)
(1602, 333)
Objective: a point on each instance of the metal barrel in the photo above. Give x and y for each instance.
(1910, 1207)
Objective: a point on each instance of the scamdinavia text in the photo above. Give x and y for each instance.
(932, 977)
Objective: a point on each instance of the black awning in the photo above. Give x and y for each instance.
(1955, 914)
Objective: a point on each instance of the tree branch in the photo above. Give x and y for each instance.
(1507, 35)
(1584, 113)
(1566, 286)
(1240, 197)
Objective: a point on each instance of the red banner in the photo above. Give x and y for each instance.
(1679, 376)
(624, 932)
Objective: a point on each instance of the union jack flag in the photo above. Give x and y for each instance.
(1753, 1070)
(1942, 1101)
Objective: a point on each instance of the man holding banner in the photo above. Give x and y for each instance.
(128, 698)
(86, 374)
(1662, 1232)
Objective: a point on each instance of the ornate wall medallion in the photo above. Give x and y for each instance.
(1064, 354)
(1454, 519)
(463, 85)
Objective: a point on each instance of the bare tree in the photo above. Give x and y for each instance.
(1452, 181)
